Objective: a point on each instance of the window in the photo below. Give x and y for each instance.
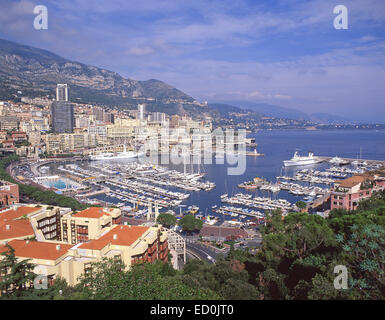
(87, 267)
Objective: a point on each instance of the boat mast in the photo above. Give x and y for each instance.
(184, 163)
(199, 164)
(192, 164)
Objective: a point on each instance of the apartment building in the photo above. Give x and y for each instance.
(59, 143)
(9, 123)
(62, 243)
(9, 193)
(347, 194)
(45, 220)
(114, 132)
(131, 244)
(88, 224)
(14, 224)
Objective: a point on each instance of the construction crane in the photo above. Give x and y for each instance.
(137, 206)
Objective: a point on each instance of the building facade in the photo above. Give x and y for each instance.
(92, 234)
(9, 193)
(63, 119)
(347, 194)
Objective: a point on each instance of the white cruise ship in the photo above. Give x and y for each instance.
(116, 156)
(301, 161)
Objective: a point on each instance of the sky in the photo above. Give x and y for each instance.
(283, 52)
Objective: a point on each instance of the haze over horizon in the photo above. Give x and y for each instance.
(286, 53)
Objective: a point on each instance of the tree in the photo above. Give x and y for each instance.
(300, 235)
(15, 274)
(301, 204)
(59, 290)
(190, 224)
(108, 279)
(166, 219)
(366, 248)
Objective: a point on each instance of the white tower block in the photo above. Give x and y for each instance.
(156, 211)
(149, 212)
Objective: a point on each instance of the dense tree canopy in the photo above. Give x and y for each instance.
(16, 275)
(189, 223)
(166, 219)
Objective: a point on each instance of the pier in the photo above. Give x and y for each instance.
(368, 161)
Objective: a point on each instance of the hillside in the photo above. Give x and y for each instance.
(35, 72)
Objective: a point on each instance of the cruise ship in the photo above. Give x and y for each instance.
(297, 160)
(116, 156)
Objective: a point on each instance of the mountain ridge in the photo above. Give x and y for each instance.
(290, 113)
(36, 72)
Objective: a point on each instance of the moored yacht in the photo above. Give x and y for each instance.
(116, 156)
(298, 160)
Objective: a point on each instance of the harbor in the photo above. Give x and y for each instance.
(204, 190)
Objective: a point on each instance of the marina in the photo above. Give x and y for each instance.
(133, 185)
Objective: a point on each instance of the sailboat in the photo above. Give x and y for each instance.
(359, 162)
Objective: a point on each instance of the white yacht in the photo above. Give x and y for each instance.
(297, 160)
(338, 161)
(116, 156)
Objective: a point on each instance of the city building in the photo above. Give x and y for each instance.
(158, 117)
(88, 224)
(62, 115)
(109, 118)
(92, 234)
(141, 111)
(9, 123)
(61, 92)
(62, 111)
(71, 142)
(98, 113)
(347, 194)
(19, 136)
(9, 193)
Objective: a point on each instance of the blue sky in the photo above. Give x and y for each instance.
(283, 52)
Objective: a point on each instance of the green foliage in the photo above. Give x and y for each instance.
(189, 223)
(369, 211)
(366, 248)
(15, 275)
(23, 143)
(166, 219)
(301, 204)
(58, 291)
(108, 280)
(223, 278)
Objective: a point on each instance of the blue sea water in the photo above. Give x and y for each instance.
(277, 145)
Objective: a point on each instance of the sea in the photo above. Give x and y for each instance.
(279, 145)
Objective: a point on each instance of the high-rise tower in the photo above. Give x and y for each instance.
(62, 111)
(61, 92)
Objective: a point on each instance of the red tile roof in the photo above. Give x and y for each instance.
(92, 212)
(17, 228)
(16, 214)
(353, 181)
(126, 236)
(37, 250)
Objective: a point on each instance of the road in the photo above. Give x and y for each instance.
(210, 254)
(204, 253)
